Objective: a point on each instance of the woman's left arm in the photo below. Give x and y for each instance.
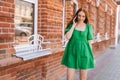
(90, 35)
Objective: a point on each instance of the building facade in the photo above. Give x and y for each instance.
(26, 23)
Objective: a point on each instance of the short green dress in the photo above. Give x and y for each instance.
(78, 53)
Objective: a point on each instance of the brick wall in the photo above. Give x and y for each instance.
(68, 11)
(50, 21)
(44, 68)
(6, 28)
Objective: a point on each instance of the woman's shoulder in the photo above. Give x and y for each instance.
(88, 24)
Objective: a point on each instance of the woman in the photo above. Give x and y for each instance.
(78, 53)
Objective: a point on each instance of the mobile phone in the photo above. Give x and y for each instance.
(76, 19)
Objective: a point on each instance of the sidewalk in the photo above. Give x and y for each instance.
(107, 66)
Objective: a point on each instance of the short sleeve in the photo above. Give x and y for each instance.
(68, 28)
(90, 32)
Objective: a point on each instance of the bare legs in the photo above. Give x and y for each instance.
(83, 74)
(71, 74)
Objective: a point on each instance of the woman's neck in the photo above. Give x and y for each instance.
(81, 22)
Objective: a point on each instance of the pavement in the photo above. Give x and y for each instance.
(107, 66)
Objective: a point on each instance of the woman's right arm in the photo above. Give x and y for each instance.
(69, 33)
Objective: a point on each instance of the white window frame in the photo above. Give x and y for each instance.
(117, 25)
(106, 7)
(35, 2)
(76, 2)
(98, 3)
(63, 23)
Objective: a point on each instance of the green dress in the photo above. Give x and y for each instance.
(78, 53)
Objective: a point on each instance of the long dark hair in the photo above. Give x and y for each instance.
(76, 14)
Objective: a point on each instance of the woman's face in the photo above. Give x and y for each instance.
(81, 16)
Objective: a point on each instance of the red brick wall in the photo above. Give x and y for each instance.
(50, 21)
(44, 68)
(6, 28)
(68, 11)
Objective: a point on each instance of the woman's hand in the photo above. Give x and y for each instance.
(69, 33)
(90, 42)
(74, 23)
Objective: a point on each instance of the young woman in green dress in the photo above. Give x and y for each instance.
(78, 52)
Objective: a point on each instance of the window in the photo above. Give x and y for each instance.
(24, 21)
(27, 41)
(74, 8)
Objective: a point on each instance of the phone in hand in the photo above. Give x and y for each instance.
(76, 19)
